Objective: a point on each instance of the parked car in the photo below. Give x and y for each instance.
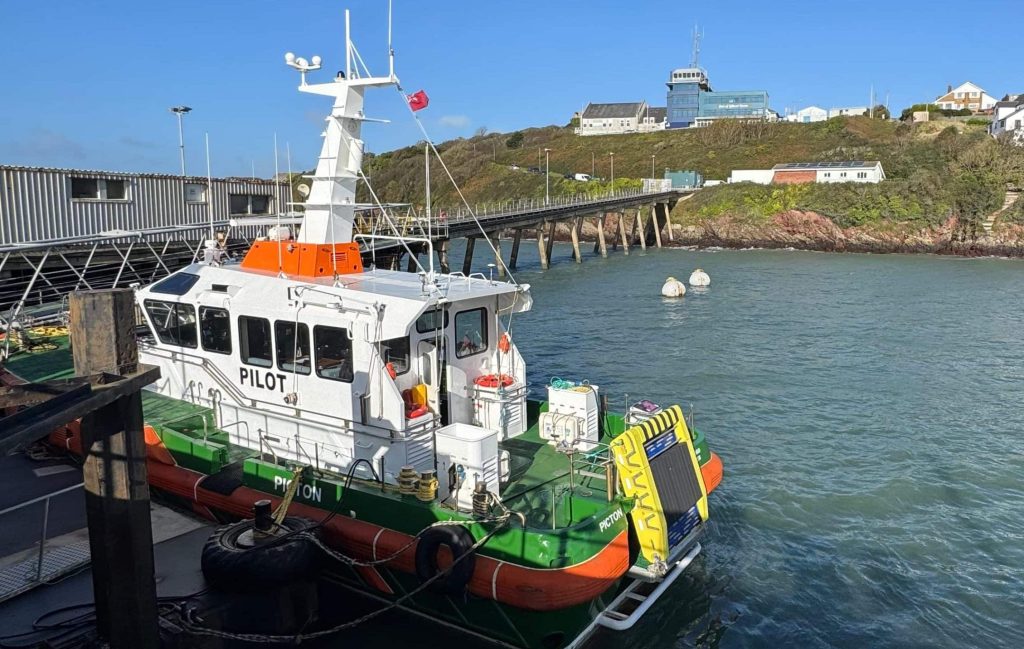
(583, 177)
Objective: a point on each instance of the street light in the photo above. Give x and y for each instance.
(547, 177)
(180, 111)
(652, 166)
(612, 155)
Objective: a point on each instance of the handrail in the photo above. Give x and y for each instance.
(41, 498)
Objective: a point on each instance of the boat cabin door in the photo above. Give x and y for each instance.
(430, 371)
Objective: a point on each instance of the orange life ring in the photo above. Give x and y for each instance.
(418, 411)
(492, 380)
(504, 343)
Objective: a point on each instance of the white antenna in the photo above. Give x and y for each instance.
(391, 50)
(348, 46)
(426, 158)
(209, 186)
(277, 176)
(697, 35)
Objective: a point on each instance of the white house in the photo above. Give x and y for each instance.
(791, 173)
(850, 111)
(611, 119)
(1008, 117)
(966, 95)
(807, 115)
(654, 119)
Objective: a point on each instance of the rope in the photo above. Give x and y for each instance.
(193, 625)
(447, 172)
(289, 494)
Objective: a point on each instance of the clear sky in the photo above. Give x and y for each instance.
(89, 84)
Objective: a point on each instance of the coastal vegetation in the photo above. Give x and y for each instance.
(936, 171)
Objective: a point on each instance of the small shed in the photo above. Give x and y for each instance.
(683, 179)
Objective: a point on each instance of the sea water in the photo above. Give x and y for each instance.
(868, 410)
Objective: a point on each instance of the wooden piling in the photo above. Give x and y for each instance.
(542, 249)
(575, 234)
(551, 238)
(638, 225)
(102, 328)
(602, 245)
(413, 262)
(622, 233)
(442, 256)
(514, 257)
(498, 261)
(467, 259)
(668, 222)
(657, 227)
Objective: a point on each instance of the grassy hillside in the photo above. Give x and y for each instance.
(934, 169)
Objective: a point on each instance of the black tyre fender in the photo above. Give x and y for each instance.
(230, 566)
(460, 542)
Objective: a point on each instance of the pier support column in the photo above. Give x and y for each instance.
(668, 222)
(574, 232)
(114, 472)
(442, 256)
(498, 261)
(515, 249)
(551, 238)
(657, 227)
(467, 259)
(542, 248)
(622, 232)
(413, 259)
(602, 245)
(638, 225)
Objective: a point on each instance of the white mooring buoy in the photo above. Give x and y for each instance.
(673, 288)
(699, 278)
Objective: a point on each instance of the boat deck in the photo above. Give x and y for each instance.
(541, 484)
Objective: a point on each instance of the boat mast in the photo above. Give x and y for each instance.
(330, 206)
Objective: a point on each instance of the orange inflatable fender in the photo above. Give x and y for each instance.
(712, 472)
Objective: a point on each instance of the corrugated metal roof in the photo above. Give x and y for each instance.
(805, 166)
(612, 111)
(129, 174)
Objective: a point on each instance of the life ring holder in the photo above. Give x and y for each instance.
(494, 380)
(460, 542)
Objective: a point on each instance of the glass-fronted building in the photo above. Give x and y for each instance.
(742, 104)
(692, 102)
(683, 102)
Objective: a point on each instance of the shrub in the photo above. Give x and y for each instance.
(515, 140)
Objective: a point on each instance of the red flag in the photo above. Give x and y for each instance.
(418, 100)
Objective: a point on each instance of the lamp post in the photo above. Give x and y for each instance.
(652, 166)
(611, 154)
(180, 111)
(547, 177)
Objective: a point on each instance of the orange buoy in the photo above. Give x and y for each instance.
(390, 367)
(504, 343)
(712, 472)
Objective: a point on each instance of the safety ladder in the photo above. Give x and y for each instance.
(640, 595)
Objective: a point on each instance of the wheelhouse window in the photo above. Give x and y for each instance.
(470, 332)
(174, 324)
(431, 321)
(108, 189)
(176, 284)
(396, 352)
(292, 347)
(333, 351)
(254, 344)
(215, 329)
(249, 203)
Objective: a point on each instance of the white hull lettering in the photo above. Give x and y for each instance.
(309, 492)
(263, 380)
(610, 519)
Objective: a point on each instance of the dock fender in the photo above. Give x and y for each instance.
(459, 542)
(233, 566)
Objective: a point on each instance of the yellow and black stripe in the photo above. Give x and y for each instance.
(634, 450)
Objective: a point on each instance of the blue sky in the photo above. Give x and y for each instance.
(88, 84)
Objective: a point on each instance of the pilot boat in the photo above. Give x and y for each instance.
(393, 408)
